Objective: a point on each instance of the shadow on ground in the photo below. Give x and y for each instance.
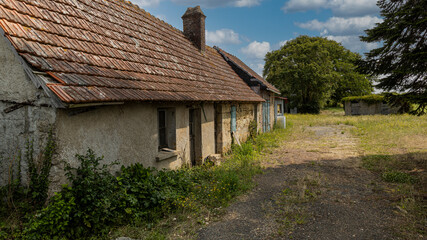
(345, 202)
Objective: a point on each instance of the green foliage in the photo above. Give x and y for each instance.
(53, 222)
(39, 170)
(312, 71)
(370, 99)
(97, 200)
(402, 58)
(17, 201)
(148, 194)
(407, 103)
(397, 177)
(95, 194)
(253, 129)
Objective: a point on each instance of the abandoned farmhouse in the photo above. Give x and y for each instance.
(106, 75)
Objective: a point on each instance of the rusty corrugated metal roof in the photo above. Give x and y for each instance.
(109, 50)
(248, 70)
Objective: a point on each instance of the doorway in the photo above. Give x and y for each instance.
(218, 128)
(266, 116)
(195, 125)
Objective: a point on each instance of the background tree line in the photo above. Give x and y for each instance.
(315, 71)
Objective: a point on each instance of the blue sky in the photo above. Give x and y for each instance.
(251, 28)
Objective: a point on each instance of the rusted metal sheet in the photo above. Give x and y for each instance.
(107, 50)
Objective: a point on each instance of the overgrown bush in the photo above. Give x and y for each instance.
(54, 221)
(18, 201)
(148, 194)
(98, 200)
(88, 206)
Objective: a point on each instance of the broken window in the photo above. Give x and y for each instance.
(167, 128)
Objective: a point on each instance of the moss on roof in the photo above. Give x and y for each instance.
(373, 98)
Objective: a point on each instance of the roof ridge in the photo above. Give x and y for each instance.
(249, 71)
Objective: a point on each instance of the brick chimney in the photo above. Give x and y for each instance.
(194, 27)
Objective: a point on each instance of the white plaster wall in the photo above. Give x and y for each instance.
(128, 133)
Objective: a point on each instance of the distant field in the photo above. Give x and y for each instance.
(379, 134)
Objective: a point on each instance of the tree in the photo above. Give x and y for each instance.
(313, 70)
(402, 59)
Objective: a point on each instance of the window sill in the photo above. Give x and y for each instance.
(166, 153)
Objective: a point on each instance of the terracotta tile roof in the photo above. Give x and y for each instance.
(247, 70)
(110, 50)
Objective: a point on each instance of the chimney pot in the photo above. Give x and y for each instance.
(194, 27)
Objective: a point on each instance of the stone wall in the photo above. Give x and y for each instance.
(245, 113)
(25, 113)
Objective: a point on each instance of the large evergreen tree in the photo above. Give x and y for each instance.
(401, 62)
(314, 70)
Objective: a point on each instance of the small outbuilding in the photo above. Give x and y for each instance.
(368, 105)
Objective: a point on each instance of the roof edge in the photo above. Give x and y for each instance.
(56, 102)
(220, 51)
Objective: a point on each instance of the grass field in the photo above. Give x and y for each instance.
(392, 146)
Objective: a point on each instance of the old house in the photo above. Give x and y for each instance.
(109, 76)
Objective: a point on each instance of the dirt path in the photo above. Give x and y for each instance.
(313, 188)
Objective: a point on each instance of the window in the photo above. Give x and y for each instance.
(167, 128)
(162, 129)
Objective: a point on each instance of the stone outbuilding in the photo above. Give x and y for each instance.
(106, 75)
(368, 105)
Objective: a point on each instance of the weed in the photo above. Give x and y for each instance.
(289, 209)
(397, 177)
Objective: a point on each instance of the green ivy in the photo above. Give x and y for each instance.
(39, 171)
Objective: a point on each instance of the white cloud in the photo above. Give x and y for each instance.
(353, 43)
(257, 66)
(282, 43)
(246, 3)
(146, 3)
(256, 49)
(338, 7)
(219, 3)
(341, 26)
(222, 36)
(303, 5)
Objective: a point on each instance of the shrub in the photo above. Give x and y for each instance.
(148, 193)
(97, 200)
(53, 222)
(95, 194)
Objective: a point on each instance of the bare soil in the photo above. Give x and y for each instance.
(344, 200)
